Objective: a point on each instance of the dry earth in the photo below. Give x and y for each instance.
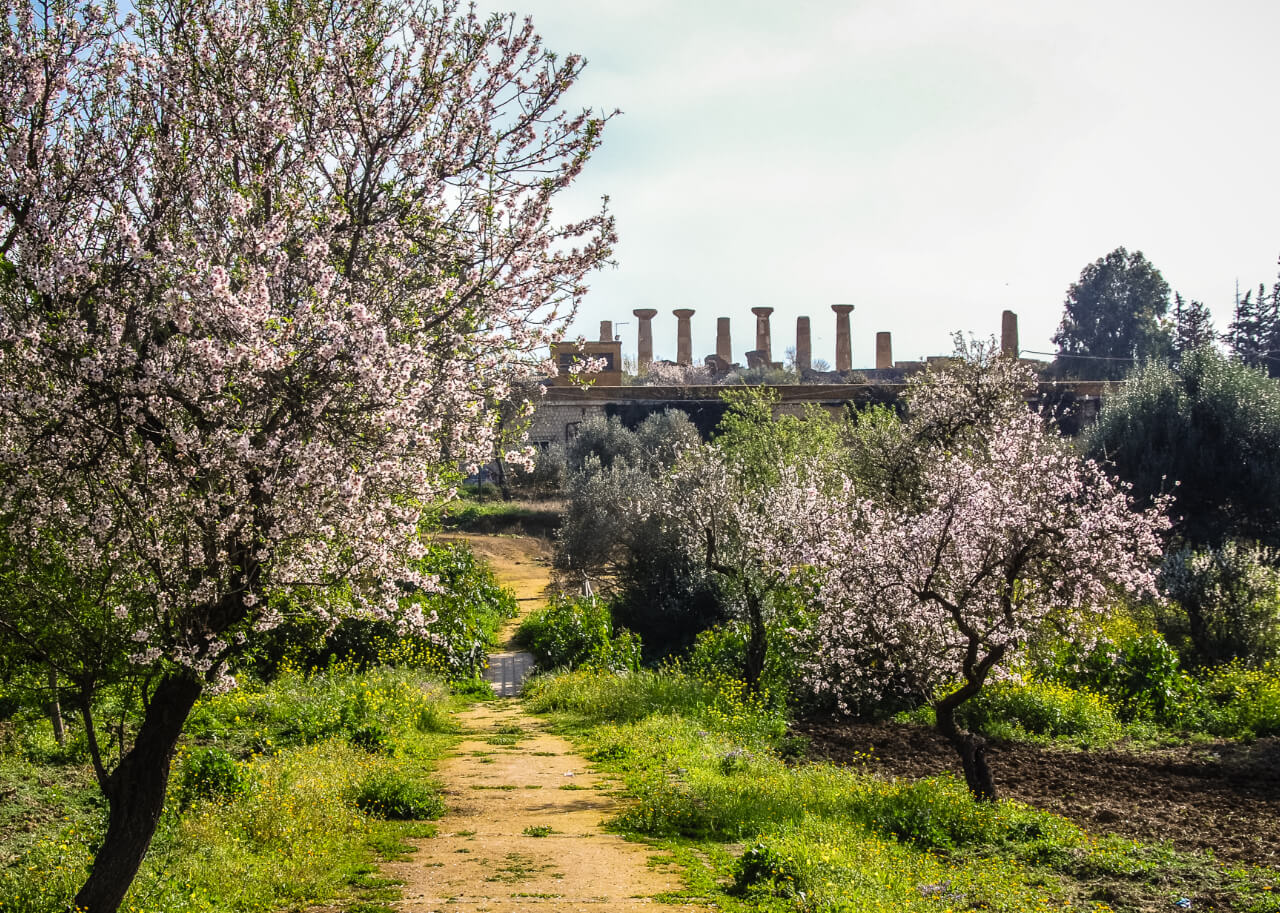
(524, 824)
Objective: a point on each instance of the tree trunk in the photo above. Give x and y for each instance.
(55, 709)
(1199, 631)
(504, 483)
(757, 642)
(972, 749)
(135, 795)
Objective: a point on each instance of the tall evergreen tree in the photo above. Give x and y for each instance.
(1255, 329)
(1192, 326)
(1113, 318)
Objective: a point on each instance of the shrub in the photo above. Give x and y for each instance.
(548, 473)
(1239, 702)
(761, 867)
(1139, 673)
(210, 773)
(469, 608)
(302, 709)
(575, 632)
(390, 794)
(660, 593)
(1210, 426)
(372, 738)
(598, 696)
(1228, 603)
(724, 647)
(1038, 708)
(435, 718)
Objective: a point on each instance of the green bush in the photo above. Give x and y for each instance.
(1139, 673)
(300, 709)
(392, 795)
(210, 773)
(723, 648)
(1242, 702)
(597, 696)
(1227, 603)
(578, 632)
(1038, 708)
(1207, 431)
(763, 868)
(468, 610)
(662, 595)
(373, 738)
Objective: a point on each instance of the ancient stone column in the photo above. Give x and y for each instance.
(844, 342)
(724, 348)
(606, 331)
(1009, 334)
(804, 345)
(644, 355)
(884, 351)
(684, 336)
(763, 336)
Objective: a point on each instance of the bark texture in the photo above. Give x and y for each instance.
(136, 792)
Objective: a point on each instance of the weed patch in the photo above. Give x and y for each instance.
(703, 769)
(273, 806)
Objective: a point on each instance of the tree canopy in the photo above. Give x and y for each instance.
(1192, 326)
(1113, 318)
(1254, 334)
(1206, 431)
(1005, 536)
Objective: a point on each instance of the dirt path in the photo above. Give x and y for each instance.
(523, 829)
(521, 563)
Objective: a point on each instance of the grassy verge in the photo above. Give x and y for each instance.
(713, 780)
(282, 796)
(1230, 702)
(527, 518)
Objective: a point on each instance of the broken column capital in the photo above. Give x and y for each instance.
(764, 336)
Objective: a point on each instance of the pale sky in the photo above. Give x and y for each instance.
(931, 163)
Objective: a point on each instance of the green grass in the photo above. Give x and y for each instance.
(702, 767)
(305, 827)
(1228, 702)
(498, 517)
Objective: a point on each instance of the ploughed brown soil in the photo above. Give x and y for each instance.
(1222, 796)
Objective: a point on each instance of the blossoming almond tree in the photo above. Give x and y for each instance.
(1008, 535)
(264, 264)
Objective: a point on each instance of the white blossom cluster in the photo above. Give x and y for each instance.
(264, 271)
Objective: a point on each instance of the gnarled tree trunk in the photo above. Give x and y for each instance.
(135, 794)
(757, 640)
(972, 749)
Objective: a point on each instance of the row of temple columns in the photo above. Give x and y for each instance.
(804, 344)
